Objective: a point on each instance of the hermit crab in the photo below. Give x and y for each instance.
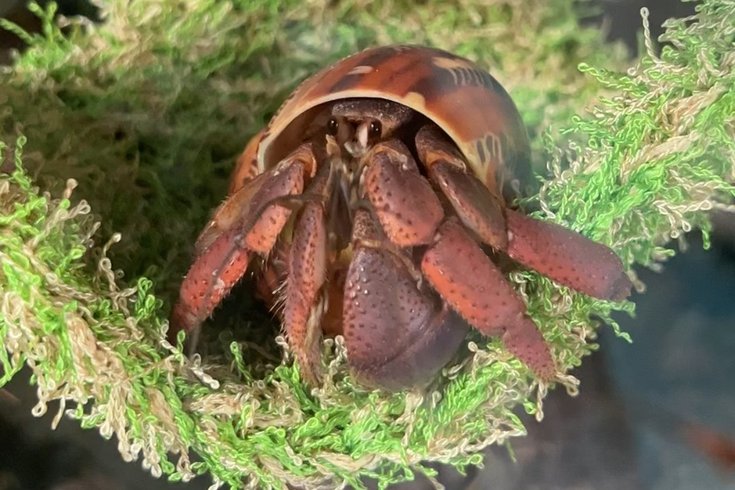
(376, 205)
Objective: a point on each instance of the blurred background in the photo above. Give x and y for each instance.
(655, 414)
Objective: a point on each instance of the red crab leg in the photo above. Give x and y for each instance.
(397, 334)
(558, 253)
(208, 281)
(246, 222)
(307, 263)
(307, 267)
(473, 286)
(566, 257)
(404, 202)
(479, 210)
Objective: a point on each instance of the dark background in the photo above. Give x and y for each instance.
(657, 414)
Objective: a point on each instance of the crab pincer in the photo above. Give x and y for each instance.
(397, 332)
(407, 207)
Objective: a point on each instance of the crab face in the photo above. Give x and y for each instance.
(375, 197)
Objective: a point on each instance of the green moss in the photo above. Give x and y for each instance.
(147, 112)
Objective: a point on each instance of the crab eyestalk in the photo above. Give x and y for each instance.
(358, 124)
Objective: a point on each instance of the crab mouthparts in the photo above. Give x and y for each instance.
(359, 144)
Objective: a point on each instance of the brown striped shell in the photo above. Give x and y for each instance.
(461, 98)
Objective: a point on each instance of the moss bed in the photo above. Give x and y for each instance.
(117, 140)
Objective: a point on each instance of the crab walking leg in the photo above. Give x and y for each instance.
(246, 222)
(474, 204)
(252, 209)
(303, 309)
(473, 286)
(567, 257)
(397, 335)
(556, 252)
(306, 267)
(404, 202)
(208, 281)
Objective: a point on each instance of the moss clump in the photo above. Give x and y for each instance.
(146, 113)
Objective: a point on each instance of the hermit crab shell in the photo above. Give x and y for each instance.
(466, 102)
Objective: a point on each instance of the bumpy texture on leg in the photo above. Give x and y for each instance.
(403, 199)
(397, 335)
(269, 219)
(567, 257)
(307, 270)
(248, 221)
(474, 287)
(252, 209)
(554, 251)
(208, 281)
(473, 202)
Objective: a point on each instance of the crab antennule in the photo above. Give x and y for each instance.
(396, 334)
(567, 257)
(472, 201)
(473, 286)
(402, 198)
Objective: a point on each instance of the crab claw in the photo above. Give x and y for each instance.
(248, 221)
(475, 288)
(404, 202)
(397, 334)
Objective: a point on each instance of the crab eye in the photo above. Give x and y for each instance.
(375, 128)
(332, 126)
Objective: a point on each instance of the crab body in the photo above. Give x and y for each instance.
(375, 202)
